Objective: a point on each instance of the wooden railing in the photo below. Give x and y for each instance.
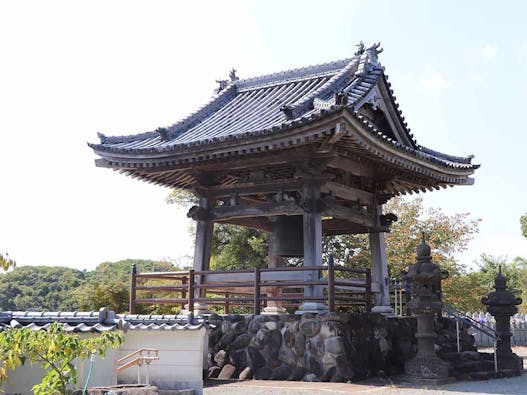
(143, 356)
(340, 287)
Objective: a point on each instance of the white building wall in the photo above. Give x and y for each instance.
(180, 364)
(181, 356)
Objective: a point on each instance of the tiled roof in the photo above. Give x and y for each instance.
(255, 115)
(270, 102)
(101, 321)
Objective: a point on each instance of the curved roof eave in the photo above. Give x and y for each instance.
(371, 139)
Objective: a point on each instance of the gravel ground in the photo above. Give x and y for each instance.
(515, 385)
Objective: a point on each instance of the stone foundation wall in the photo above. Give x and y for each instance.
(337, 347)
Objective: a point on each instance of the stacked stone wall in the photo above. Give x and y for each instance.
(337, 347)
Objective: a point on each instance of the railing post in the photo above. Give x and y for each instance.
(395, 295)
(457, 336)
(227, 303)
(256, 291)
(133, 284)
(191, 292)
(147, 379)
(183, 290)
(331, 284)
(368, 291)
(401, 313)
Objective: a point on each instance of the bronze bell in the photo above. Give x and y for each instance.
(289, 236)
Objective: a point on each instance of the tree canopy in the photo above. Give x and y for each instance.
(6, 261)
(40, 287)
(523, 225)
(66, 289)
(55, 350)
(448, 235)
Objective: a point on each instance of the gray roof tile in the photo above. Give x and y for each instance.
(274, 103)
(101, 321)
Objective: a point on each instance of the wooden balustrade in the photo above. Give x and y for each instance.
(252, 288)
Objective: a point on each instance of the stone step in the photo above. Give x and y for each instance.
(176, 392)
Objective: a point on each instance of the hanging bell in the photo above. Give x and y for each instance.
(289, 236)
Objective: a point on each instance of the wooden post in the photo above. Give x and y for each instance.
(202, 248)
(312, 220)
(227, 303)
(183, 290)
(380, 279)
(256, 291)
(191, 291)
(368, 291)
(275, 261)
(331, 284)
(133, 284)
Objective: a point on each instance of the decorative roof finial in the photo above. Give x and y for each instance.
(368, 58)
(222, 85)
(163, 133)
(360, 48)
(232, 75)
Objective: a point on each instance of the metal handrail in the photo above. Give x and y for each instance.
(140, 359)
(485, 329)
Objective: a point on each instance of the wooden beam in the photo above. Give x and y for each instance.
(261, 210)
(250, 188)
(349, 193)
(257, 160)
(335, 226)
(351, 166)
(350, 214)
(259, 223)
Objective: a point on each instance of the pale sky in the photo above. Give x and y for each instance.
(70, 69)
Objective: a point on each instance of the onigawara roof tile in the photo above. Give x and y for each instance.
(101, 321)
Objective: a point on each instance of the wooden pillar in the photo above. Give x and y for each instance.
(379, 270)
(274, 306)
(202, 250)
(312, 247)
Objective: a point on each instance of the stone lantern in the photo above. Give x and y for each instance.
(425, 278)
(501, 304)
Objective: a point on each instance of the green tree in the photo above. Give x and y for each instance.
(523, 225)
(108, 285)
(6, 261)
(464, 291)
(40, 287)
(238, 247)
(55, 350)
(448, 235)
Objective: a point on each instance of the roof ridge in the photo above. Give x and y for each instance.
(294, 110)
(291, 74)
(454, 158)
